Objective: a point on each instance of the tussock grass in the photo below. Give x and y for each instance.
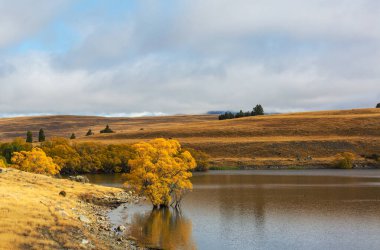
(31, 211)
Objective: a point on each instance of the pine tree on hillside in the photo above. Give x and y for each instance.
(41, 135)
(89, 132)
(258, 110)
(72, 137)
(29, 137)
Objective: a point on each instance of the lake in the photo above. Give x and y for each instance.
(263, 209)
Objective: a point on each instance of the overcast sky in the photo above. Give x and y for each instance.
(125, 57)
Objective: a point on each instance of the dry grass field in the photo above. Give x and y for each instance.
(34, 215)
(295, 139)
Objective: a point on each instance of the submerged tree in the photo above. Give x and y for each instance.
(41, 135)
(29, 137)
(161, 170)
(35, 161)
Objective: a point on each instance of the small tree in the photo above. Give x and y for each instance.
(72, 137)
(106, 130)
(344, 160)
(3, 162)
(35, 161)
(160, 170)
(378, 105)
(258, 110)
(89, 132)
(29, 137)
(41, 135)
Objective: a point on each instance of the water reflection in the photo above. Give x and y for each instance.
(318, 209)
(164, 228)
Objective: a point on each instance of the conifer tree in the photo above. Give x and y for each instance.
(41, 135)
(89, 132)
(72, 137)
(378, 105)
(258, 110)
(29, 137)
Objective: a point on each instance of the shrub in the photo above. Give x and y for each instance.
(35, 161)
(201, 158)
(89, 132)
(344, 160)
(72, 137)
(106, 130)
(63, 154)
(17, 145)
(3, 162)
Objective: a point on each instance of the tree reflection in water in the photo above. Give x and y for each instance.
(163, 228)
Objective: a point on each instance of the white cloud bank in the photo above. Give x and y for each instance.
(204, 55)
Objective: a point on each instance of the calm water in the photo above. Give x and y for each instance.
(314, 209)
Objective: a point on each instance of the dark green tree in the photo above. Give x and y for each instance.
(29, 137)
(258, 110)
(378, 105)
(89, 132)
(72, 137)
(240, 114)
(106, 130)
(41, 135)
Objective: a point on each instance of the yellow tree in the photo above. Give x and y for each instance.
(161, 170)
(62, 153)
(2, 162)
(35, 161)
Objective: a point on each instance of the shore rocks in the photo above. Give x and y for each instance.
(121, 228)
(79, 178)
(84, 219)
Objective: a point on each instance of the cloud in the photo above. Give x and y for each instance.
(21, 19)
(195, 56)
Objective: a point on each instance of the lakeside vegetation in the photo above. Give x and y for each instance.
(81, 157)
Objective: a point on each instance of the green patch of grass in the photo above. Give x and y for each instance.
(225, 168)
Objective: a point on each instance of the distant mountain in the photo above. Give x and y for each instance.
(219, 112)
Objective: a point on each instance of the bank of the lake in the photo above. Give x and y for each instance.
(41, 212)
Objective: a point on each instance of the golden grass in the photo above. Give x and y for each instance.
(31, 212)
(245, 141)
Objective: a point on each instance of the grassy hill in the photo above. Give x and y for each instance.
(296, 139)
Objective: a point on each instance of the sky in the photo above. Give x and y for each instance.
(149, 57)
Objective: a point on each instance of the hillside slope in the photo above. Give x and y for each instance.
(309, 138)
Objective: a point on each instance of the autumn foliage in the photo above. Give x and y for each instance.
(35, 161)
(161, 171)
(3, 162)
(344, 160)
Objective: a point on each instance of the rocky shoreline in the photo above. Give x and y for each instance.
(42, 212)
(97, 208)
